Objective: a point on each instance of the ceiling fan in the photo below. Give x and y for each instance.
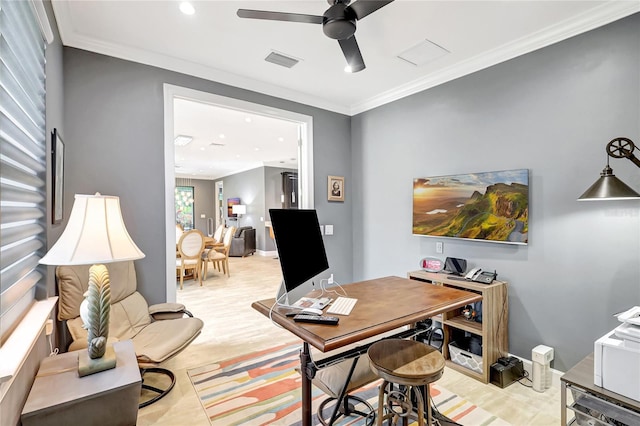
(338, 22)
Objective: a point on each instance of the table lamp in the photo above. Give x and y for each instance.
(94, 235)
(239, 209)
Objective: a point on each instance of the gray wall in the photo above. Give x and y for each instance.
(204, 201)
(115, 144)
(249, 187)
(553, 112)
(272, 198)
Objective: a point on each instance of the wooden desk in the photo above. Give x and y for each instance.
(59, 397)
(384, 304)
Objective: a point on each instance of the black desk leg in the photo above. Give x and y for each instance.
(305, 360)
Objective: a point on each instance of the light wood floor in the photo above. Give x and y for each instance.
(232, 328)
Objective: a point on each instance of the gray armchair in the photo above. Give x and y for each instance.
(243, 242)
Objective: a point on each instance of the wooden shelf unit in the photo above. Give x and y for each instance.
(495, 318)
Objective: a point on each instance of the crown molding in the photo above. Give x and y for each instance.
(589, 20)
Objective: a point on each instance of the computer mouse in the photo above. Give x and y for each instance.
(311, 311)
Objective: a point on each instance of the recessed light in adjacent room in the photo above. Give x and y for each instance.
(182, 140)
(187, 8)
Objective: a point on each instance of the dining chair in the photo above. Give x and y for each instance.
(218, 234)
(190, 249)
(219, 256)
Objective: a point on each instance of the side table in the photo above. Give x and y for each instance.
(60, 397)
(591, 402)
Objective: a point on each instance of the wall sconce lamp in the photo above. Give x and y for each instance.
(609, 187)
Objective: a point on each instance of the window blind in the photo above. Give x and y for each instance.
(22, 159)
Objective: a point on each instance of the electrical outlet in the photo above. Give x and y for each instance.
(439, 247)
(49, 327)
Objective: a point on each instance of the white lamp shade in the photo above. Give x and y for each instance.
(95, 234)
(239, 209)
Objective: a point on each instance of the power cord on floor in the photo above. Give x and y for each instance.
(525, 376)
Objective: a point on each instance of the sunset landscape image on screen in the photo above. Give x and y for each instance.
(492, 206)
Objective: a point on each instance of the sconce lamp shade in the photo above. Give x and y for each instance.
(239, 209)
(609, 187)
(95, 234)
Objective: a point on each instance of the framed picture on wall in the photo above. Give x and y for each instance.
(57, 178)
(335, 188)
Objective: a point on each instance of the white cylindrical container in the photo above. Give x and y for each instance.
(541, 357)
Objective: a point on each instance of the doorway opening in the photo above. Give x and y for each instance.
(305, 158)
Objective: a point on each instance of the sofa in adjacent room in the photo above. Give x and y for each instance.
(243, 242)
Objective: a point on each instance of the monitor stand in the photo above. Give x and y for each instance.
(283, 294)
(283, 299)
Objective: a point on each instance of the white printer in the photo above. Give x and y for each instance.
(617, 357)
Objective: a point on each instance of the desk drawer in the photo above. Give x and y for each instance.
(590, 409)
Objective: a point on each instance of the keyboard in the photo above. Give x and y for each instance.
(342, 306)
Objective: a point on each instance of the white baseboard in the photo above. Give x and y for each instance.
(272, 253)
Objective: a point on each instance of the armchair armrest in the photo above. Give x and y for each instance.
(162, 311)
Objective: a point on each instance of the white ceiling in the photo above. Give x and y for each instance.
(216, 44)
(228, 141)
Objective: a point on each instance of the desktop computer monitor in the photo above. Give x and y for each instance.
(300, 250)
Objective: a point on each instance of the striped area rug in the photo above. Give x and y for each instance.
(263, 388)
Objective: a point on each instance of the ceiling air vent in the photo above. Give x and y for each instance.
(281, 59)
(422, 53)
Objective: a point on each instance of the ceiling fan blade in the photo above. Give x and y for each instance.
(362, 8)
(352, 53)
(280, 16)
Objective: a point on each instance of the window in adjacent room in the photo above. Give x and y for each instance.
(184, 206)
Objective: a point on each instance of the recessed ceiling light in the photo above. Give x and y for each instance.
(221, 136)
(187, 8)
(347, 69)
(281, 139)
(238, 156)
(202, 148)
(256, 149)
(182, 140)
(248, 119)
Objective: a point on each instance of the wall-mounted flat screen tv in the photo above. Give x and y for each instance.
(489, 206)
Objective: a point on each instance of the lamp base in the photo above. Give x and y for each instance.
(88, 366)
